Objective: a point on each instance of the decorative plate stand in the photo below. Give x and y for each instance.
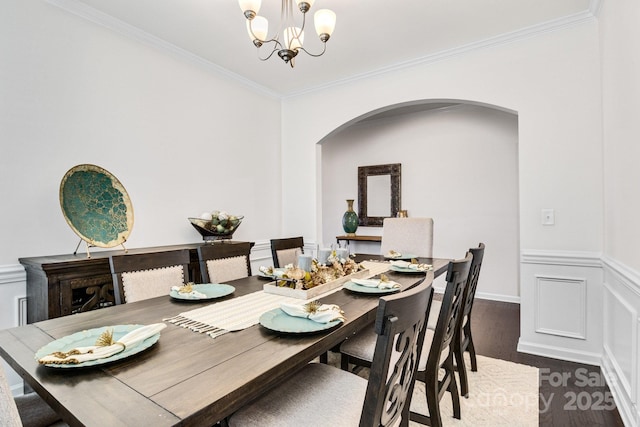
(96, 206)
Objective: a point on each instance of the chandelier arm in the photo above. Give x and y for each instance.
(324, 49)
(274, 39)
(274, 50)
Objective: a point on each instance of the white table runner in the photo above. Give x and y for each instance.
(245, 311)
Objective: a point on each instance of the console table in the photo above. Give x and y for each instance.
(59, 285)
(359, 238)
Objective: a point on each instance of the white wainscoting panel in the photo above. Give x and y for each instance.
(561, 305)
(13, 281)
(621, 340)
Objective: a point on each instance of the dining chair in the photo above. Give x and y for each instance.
(284, 251)
(323, 395)
(437, 356)
(408, 236)
(28, 410)
(464, 341)
(147, 275)
(222, 262)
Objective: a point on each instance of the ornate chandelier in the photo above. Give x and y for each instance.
(287, 41)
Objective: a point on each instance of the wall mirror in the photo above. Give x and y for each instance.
(378, 193)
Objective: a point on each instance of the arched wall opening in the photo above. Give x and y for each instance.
(459, 166)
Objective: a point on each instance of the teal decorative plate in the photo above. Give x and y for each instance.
(211, 290)
(96, 206)
(402, 256)
(89, 337)
(279, 321)
(406, 270)
(277, 272)
(354, 287)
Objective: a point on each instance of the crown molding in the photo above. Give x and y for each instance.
(91, 14)
(523, 33)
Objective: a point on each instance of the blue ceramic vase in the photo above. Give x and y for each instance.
(350, 219)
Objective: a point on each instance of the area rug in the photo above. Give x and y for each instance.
(501, 393)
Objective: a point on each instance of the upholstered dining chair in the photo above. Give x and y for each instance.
(464, 341)
(28, 410)
(408, 235)
(284, 251)
(147, 275)
(323, 395)
(222, 262)
(437, 355)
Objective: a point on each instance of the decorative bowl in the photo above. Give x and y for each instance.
(216, 228)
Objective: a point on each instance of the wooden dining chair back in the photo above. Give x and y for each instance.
(222, 262)
(26, 410)
(320, 394)
(464, 341)
(400, 327)
(141, 276)
(284, 251)
(408, 236)
(439, 359)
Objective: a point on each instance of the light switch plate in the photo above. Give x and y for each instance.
(548, 217)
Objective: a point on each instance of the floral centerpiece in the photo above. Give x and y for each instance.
(335, 268)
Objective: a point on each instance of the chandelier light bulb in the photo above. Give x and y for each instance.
(250, 8)
(325, 23)
(258, 28)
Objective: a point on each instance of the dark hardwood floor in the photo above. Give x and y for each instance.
(571, 394)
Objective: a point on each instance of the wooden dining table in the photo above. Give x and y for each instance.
(186, 378)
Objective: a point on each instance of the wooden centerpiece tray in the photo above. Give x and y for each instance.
(306, 294)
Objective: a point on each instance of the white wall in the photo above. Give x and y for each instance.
(620, 39)
(177, 137)
(560, 148)
(459, 167)
(173, 133)
(552, 82)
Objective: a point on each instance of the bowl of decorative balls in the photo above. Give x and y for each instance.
(216, 225)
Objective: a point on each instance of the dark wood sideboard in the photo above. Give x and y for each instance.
(59, 285)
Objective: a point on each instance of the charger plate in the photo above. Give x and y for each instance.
(211, 290)
(401, 256)
(88, 337)
(408, 270)
(354, 287)
(279, 321)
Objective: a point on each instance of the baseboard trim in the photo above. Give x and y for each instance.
(623, 403)
(486, 296)
(554, 352)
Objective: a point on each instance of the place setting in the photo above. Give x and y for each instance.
(98, 346)
(298, 318)
(392, 254)
(199, 292)
(412, 267)
(379, 286)
(270, 272)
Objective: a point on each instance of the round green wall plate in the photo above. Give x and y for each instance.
(96, 206)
